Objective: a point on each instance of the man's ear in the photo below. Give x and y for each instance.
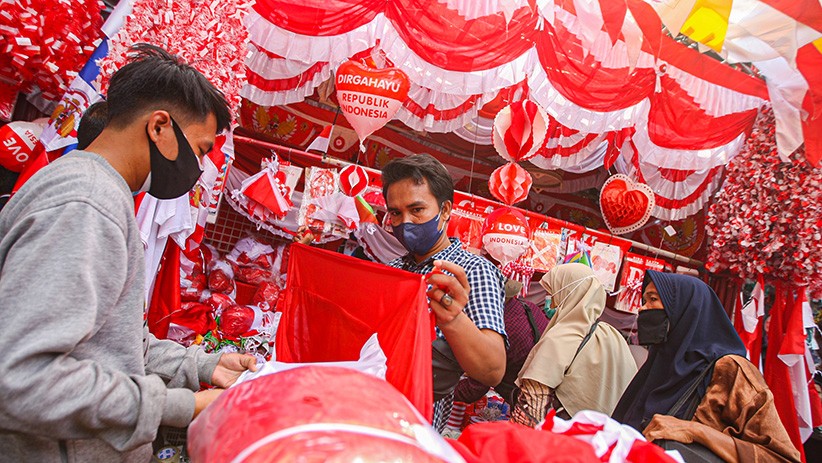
(161, 132)
(446, 210)
(157, 122)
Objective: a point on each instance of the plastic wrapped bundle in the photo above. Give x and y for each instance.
(318, 414)
(221, 278)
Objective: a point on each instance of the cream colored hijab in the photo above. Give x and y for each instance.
(603, 368)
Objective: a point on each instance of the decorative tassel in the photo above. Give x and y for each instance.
(520, 271)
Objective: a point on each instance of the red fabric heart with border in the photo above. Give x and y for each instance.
(626, 205)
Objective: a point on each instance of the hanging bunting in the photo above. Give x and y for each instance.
(267, 194)
(208, 35)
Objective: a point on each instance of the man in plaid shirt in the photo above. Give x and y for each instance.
(467, 298)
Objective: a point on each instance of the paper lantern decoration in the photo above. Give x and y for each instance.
(510, 183)
(519, 130)
(626, 205)
(353, 180)
(506, 235)
(17, 144)
(331, 413)
(369, 97)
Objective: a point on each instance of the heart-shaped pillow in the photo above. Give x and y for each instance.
(626, 205)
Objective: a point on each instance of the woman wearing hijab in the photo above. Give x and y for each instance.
(578, 363)
(697, 386)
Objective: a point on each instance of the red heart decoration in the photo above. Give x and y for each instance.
(626, 205)
(370, 97)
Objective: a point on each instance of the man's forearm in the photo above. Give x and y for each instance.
(481, 353)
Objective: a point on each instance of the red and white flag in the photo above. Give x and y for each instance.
(321, 142)
(748, 321)
(785, 366)
(339, 302)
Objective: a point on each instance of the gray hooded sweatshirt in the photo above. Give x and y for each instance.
(80, 377)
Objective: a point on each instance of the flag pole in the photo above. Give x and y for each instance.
(333, 124)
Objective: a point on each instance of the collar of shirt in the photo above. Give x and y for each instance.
(411, 265)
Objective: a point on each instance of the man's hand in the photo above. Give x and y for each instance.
(480, 352)
(304, 235)
(448, 294)
(204, 398)
(230, 367)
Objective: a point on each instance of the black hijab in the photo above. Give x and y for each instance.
(700, 333)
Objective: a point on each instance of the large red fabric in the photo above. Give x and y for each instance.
(278, 85)
(165, 299)
(710, 70)
(334, 303)
(507, 441)
(776, 372)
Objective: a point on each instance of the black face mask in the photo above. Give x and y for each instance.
(172, 179)
(652, 327)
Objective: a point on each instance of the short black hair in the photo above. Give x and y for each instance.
(420, 167)
(154, 78)
(92, 123)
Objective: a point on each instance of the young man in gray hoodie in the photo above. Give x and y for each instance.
(81, 379)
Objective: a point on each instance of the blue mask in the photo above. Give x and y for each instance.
(418, 238)
(548, 310)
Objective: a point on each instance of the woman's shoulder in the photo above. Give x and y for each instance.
(733, 361)
(737, 369)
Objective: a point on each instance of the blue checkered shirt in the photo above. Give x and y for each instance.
(485, 299)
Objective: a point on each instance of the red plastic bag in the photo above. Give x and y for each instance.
(192, 287)
(321, 412)
(253, 275)
(219, 302)
(267, 293)
(250, 252)
(221, 278)
(181, 335)
(236, 321)
(195, 316)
